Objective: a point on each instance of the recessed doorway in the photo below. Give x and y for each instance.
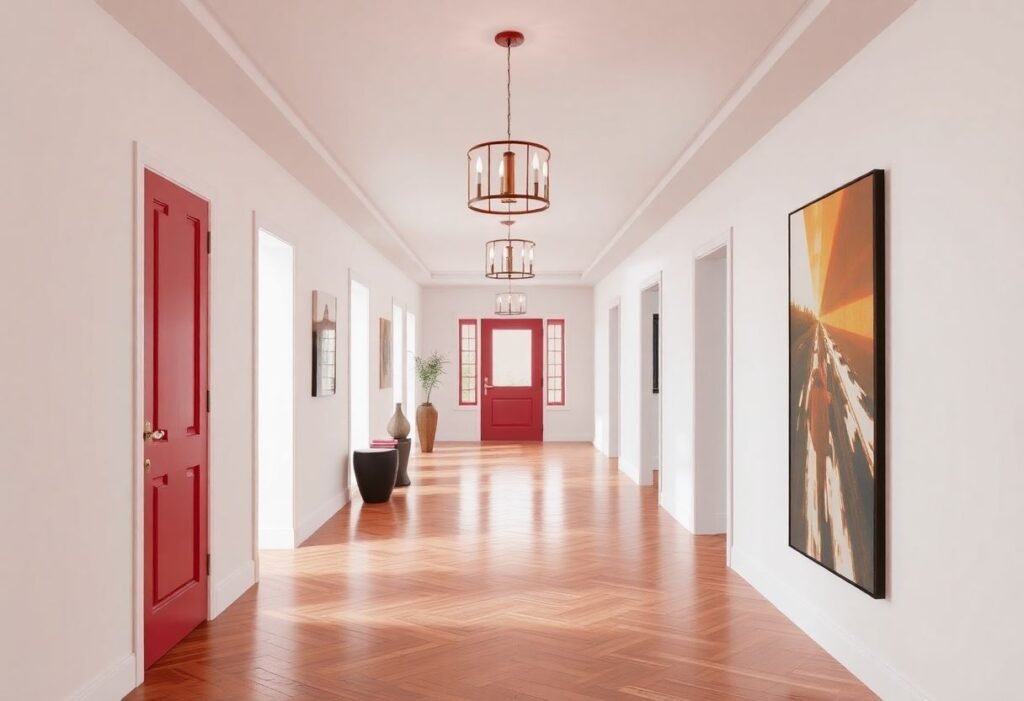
(358, 371)
(275, 381)
(712, 388)
(613, 382)
(650, 383)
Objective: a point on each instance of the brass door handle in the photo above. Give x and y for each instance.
(148, 434)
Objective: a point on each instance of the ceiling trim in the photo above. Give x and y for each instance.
(205, 17)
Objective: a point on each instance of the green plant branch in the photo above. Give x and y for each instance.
(429, 371)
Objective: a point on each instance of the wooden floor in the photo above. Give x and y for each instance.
(504, 572)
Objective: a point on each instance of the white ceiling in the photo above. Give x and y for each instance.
(373, 104)
(397, 90)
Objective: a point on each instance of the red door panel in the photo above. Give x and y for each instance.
(512, 412)
(176, 272)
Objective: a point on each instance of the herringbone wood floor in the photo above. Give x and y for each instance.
(505, 572)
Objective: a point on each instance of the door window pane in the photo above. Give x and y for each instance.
(512, 358)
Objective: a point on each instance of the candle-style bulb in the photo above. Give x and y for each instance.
(479, 165)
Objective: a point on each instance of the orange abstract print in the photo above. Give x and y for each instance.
(833, 480)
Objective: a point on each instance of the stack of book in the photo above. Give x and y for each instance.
(383, 443)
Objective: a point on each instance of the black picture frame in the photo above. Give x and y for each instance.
(876, 587)
(656, 353)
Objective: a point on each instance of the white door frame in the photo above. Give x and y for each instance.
(723, 240)
(186, 177)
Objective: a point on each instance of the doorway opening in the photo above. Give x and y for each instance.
(410, 370)
(712, 390)
(275, 362)
(358, 371)
(650, 384)
(397, 354)
(613, 382)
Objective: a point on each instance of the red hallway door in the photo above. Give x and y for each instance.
(511, 366)
(175, 479)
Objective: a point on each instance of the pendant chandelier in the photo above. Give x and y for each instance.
(510, 303)
(493, 181)
(509, 258)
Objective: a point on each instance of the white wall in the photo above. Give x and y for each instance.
(936, 101)
(78, 90)
(444, 306)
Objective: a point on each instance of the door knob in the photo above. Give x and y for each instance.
(148, 434)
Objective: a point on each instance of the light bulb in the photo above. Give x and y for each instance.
(544, 169)
(479, 165)
(536, 164)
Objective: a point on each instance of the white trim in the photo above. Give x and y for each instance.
(228, 589)
(850, 652)
(309, 525)
(145, 158)
(723, 240)
(114, 682)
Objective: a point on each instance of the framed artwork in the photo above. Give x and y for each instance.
(385, 353)
(837, 382)
(325, 343)
(656, 350)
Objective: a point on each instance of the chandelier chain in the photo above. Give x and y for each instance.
(508, 90)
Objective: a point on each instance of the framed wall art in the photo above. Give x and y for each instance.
(325, 344)
(837, 382)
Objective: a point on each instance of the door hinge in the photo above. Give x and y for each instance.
(209, 241)
(207, 401)
(207, 564)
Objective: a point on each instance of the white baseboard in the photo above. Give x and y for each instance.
(876, 674)
(309, 525)
(112, 683)
(277, 538)
(228, 588)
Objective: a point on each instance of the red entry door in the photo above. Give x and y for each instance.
(175, 477)
(512, 369)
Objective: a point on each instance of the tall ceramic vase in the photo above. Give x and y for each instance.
(426, 426)
(398, 426)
